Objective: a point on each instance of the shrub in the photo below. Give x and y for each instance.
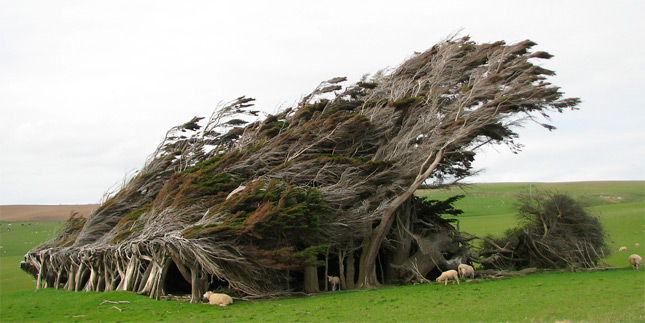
(555, 232)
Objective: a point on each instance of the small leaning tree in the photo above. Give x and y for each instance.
(324, 187)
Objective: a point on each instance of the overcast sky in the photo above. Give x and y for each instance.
(89, 88)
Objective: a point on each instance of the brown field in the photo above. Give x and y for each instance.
(43, 212)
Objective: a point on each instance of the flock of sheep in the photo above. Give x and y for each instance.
(462, 271)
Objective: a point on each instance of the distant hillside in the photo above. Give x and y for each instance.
(43, 212)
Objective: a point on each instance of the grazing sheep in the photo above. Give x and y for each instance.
(335, 281)
(636, 261)
(638, 245)
(466, 270)
(218, 299)
(447, 275)
(623, 248)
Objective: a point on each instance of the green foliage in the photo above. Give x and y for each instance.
(279, 221)
(368, 85)
(273, 125)
(307, 112)
(128, 224)
(309, 256)
(406, 101)
(438, 207)
(274, 208)
(346, 105)
(268, 210)
(455, 165)
(134, 215)
(204, 183)
(204, 166)
(122, 235)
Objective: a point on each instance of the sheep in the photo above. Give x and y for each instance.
(447, 275)
(335, 281)
(636, 261)
(623, 248)
(466, 270)
(638, 245)
(218, 299)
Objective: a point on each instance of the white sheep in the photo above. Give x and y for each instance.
(334, 281)
(447, 275)
(623, 248)
(636, 261)
(638, 245)
(218, 299)
(466, 270)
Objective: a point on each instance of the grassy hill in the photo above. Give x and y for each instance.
(611, 296)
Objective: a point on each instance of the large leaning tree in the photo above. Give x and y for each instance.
(325, 187)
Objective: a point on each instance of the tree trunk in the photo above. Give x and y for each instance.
(156, 288)
(108, 277)
(311, 280)
(366, 277)
(58, 276)
(351, 273)
(402, 240)
(341, 269)
(144, 278)
(326, 270)
(40, 274)
(79, 276)
(368, 261)
(199, 284)
(131, 272)
(91, 282)
(71, 277)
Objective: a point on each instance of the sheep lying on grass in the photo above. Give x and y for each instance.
(218, 299)
(623, 248)
(636, 261)
(334, 281)
(447, 275)
(466, 270)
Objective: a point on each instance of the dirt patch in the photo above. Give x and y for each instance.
(15, 213)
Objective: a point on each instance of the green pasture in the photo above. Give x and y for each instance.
(16, 239)
(607, 296)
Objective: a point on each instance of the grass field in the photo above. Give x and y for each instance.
(16, 238)
(609, 296)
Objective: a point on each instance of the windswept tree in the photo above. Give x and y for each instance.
(260, 208)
